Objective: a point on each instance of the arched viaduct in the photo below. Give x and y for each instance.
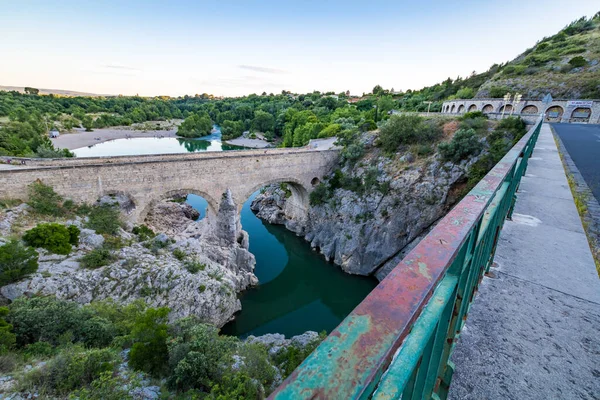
(582, 111)
(149, 179)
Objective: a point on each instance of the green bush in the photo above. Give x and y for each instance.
(292, 356)
(143, 233)
(7, 338)
(578, 61)
(105, 387)
(44, 200)
(465, 143)
(237, 385)
(194, 266)
(200, 356)
(47, 319)
(498, 91)
(105, 219)
(353, 152)
(407, 129)
(149, 352)
(97, 258)
(53, 237)
(320, 195)
(465, 93)
(16, 261)
(8, 363)
(73, 368)
(473, 115)
(39, 350)
(179, 254)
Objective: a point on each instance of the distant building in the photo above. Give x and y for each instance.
(54, 133)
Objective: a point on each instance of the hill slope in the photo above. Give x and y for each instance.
(566, 64)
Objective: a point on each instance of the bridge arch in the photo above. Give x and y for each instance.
(554, 113)
(452, 109)
(530, 109)
(461, 109)
(472, 107)
(296, 205)
(488, 108)
(505, 108)
(213, 205)
(581, 114)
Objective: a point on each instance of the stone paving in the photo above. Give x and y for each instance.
(533, 331)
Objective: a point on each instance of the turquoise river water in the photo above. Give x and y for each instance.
(298, 290)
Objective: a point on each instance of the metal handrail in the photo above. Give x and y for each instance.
(397, 342)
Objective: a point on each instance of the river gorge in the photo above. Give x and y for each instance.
(298, 290)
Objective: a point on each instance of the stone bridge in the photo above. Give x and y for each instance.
(560, 110)
(149, 179)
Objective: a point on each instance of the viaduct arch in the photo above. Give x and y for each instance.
(149, 179)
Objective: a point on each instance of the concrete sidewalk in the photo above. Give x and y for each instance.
(533, 331)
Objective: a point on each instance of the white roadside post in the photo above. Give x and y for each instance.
(428, 106)
(516, 101)
(506, 100)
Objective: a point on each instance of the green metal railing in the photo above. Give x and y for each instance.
(397, 342)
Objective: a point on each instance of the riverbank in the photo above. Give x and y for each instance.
(251, 143)
(80, 138)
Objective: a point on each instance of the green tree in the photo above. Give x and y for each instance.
(385, 104)
(263, 121)
(406, 129)
(7, 338)
(87, 123)
(16, 261)
(464, 143)
(195, 126)
(149, 352)
(465, 93)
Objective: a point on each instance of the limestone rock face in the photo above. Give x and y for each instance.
(171, 217)
(197, 271)
(9, 216)
(364, 230)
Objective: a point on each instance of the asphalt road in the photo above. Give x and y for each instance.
(583, 144)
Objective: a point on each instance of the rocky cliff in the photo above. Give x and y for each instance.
(383, 204)
(197, 271)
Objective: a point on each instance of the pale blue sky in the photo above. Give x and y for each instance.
(241, 47)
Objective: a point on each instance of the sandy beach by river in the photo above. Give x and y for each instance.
(80, 138)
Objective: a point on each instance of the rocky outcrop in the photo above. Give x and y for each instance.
(384, 204)
(171, 217)
(198, 272)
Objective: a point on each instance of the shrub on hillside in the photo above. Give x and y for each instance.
(465, 93)
(319, 195)
(7, 338)
(143, 233)
(73, 368)
(16, 261)
(473, 115)
(498, 91)
(578, 61)
(465, 143)
(407, 129)
(97, 258)
(199, 356)
(44, 200)
(53, 237)
(105, 219)
(48, 319)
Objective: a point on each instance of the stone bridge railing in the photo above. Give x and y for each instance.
(397, 342)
